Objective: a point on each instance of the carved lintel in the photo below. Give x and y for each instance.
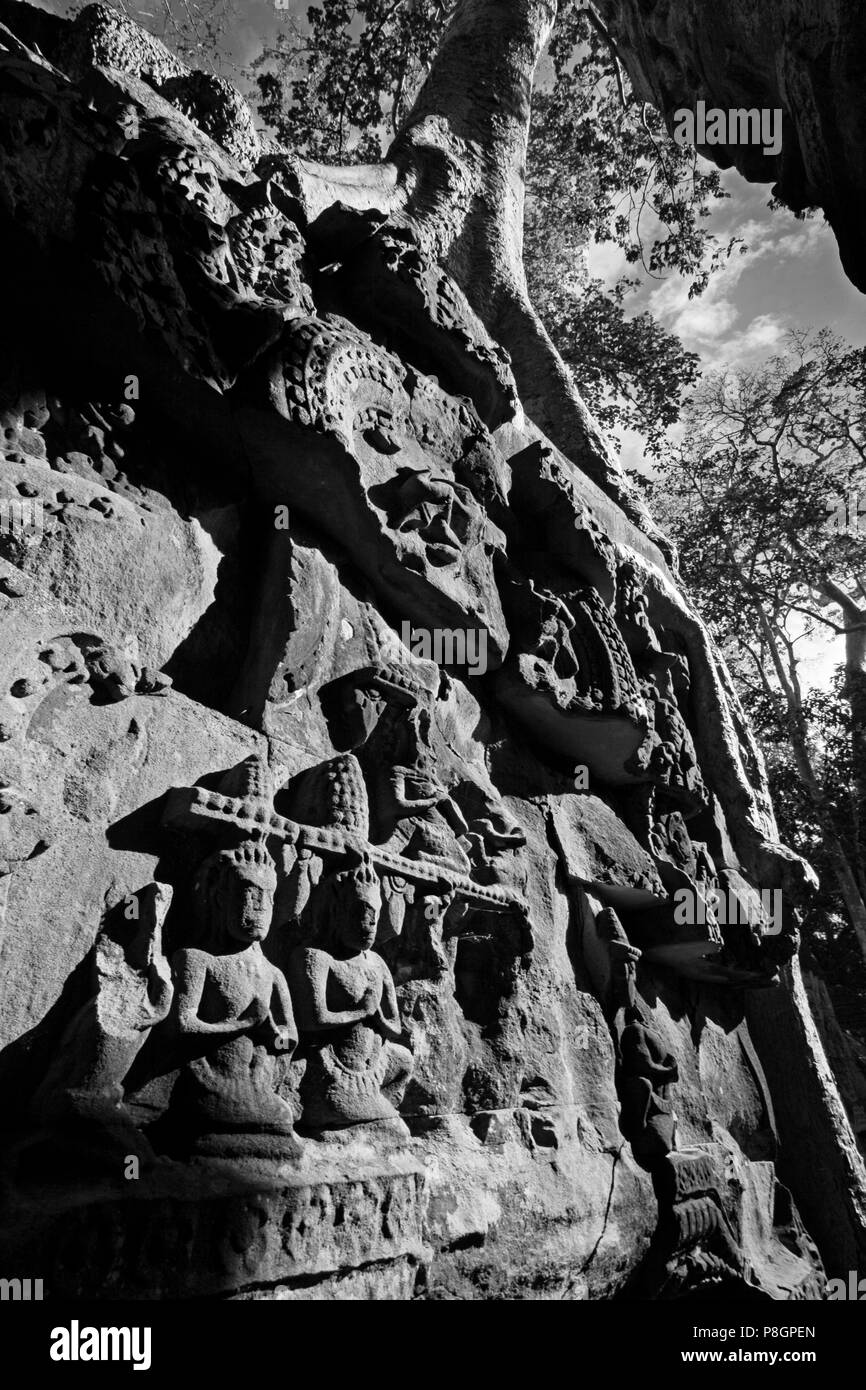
(194, 808)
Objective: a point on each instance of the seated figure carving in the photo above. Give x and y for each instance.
(233, 1009)
(357, 1067)
(83, 1091)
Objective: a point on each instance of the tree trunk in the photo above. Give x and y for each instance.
(844, 871)
(855, 694)
(467, 136)
(854, 688)
(455, 173)
(460, 162)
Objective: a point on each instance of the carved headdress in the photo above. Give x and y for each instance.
(249, 860)
(356, 881)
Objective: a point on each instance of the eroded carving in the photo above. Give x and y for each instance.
(572, 679)
(131, 992)
(646, 1069)
(391, 283)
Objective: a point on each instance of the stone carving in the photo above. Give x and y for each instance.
(573, 679)
(568, 528)
(647, 1072)
(357, 1067)
(633, 611)
(244, 804)
(240, 232)
(385, 713)
(391, 282)
(696, 1249)
(131, 992)
(114, 677)
(436, 510)
(704, 1243)
(414, 813)
(233, 1011)
(400, 458)
(493, 840)
(25, 829)
(99, 35)
(267, 246)
(79, 659)
(667, 756)
(646, 1069)
(397, 895)
(85, 438)
(355, 836)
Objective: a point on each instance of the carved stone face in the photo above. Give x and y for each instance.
(248, 905)
(358, 924)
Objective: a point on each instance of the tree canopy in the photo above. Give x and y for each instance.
(761, 493)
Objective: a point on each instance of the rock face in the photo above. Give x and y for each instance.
(382, 848)
(803, 57)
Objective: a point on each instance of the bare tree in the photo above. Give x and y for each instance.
(763, 496)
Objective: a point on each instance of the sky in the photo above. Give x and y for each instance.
(787, 276)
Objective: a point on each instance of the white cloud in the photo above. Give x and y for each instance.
(632, 452)
(706, 322)
(705, 319)
(605, 261)
(763, 333)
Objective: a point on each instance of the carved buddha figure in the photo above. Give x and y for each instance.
(357, 1068)
(232, 1006)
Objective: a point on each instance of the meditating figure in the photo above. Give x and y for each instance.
(357, 1067)
(233, 1009)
